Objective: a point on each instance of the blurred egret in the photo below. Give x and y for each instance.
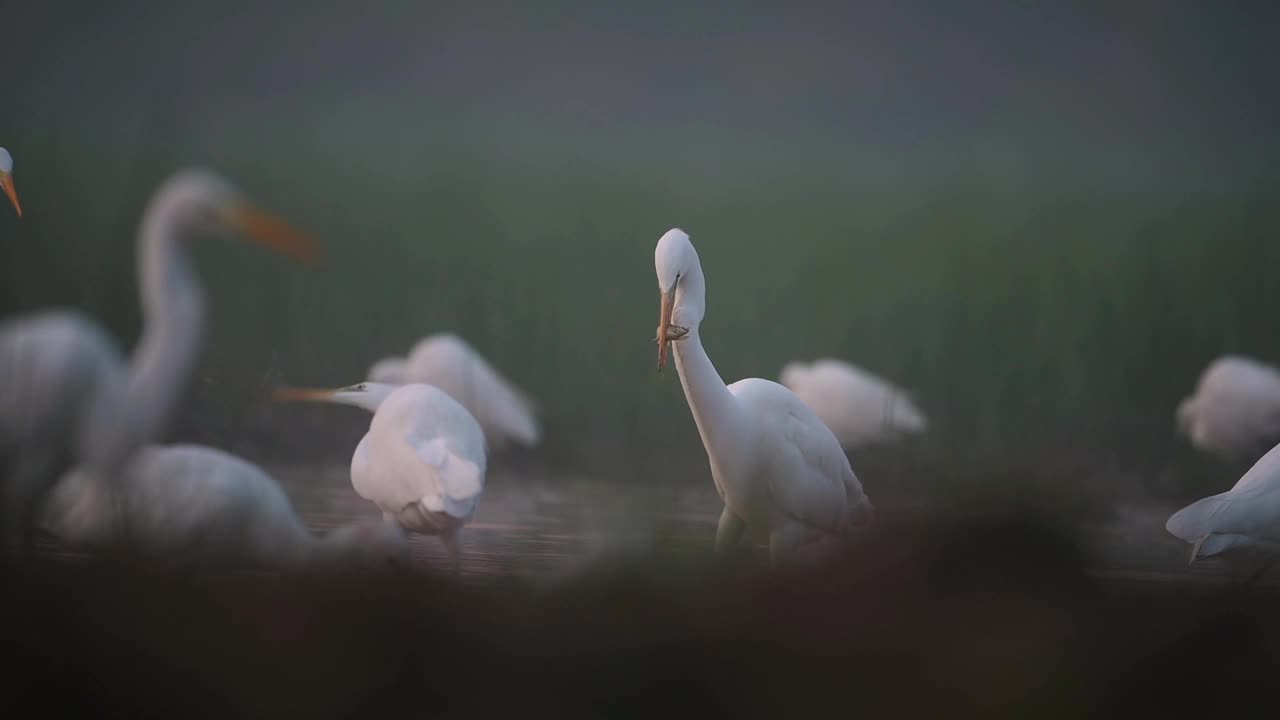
(184, 502)
(422, 461)
(1235, 410)
(778, 468)
(449, 363)
(1242, 524)
(102, 500)
(860, 408)
(6, 179)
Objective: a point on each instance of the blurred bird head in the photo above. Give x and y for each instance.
(366, 395)
(6, 179)
(196, 201)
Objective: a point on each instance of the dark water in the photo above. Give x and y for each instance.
(543, 527)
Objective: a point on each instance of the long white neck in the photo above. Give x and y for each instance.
(715, 410)
(134, 412)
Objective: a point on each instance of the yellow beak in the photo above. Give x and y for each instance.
(273, 233)
(6, 182)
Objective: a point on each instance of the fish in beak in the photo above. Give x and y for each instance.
(273, 233)
(667, 333)
(6, 182)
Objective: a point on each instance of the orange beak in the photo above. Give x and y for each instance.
(6, 182)
(664, 324)
(298, 394)
(273, 233)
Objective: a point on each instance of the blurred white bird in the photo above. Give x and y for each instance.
(860, 408)
(388, 371)
(51, 365)
(177, 503)
(6, 180)
(778, 468)
(1235, 410)
(422, 461)
(1241, 525)
(447, 362)
(174, 501)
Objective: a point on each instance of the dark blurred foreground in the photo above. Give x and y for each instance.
(981, 616)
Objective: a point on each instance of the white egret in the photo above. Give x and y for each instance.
(182, 502)
(6, 179)
(449, 363)
(55, 366)
(1235, 410)
(778, 468)
(860, 408)
(183, 499)
(1240, 525)
(422, 461)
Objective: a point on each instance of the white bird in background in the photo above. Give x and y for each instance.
(1241, 525)
(178, 502)
(175, 500)
(1235, 410)
(860, 408)
(388, 371)
(422, 461)
(6, 179)
(778, 468)
(447, 362)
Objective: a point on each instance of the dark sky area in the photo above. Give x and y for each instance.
(1166, 73)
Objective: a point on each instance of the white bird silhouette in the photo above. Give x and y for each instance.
(1235, 410)
(1241, 525)
(422, 461)
(860, 408)
(181, 501)
(447, 362)
(778, 468)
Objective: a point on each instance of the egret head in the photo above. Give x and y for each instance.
(6, 179)
(680, 285)
(366, 395)
(199, 202)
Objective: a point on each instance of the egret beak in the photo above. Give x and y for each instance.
(6, 182)
(664, 323)
(273, 233)
(299, 394)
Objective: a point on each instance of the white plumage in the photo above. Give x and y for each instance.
(181, 503)
(1235, 410)
(1244, 521)
(423, 460)
(860, 408)
(51, 365)
(178, 501)
(447, 362)
(778, 468)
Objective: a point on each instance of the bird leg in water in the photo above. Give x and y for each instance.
(729, 531)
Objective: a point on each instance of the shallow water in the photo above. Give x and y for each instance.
(542, 528)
